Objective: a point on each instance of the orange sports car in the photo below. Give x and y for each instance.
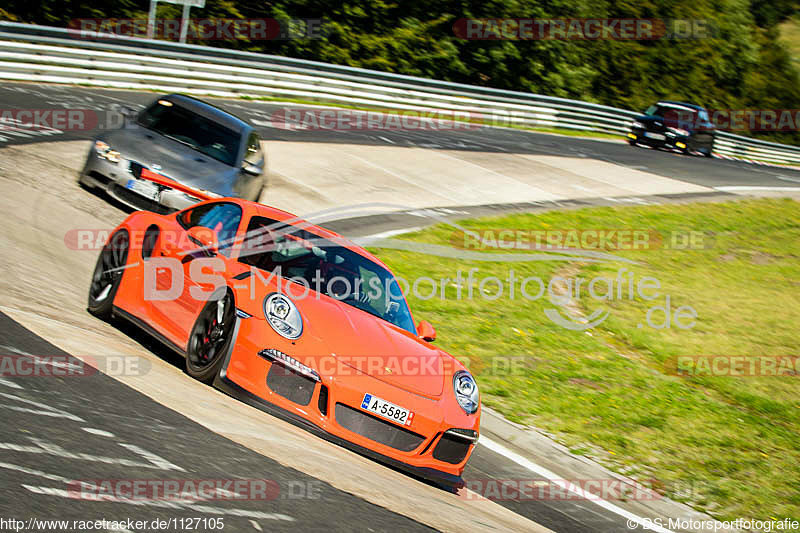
(294, 319)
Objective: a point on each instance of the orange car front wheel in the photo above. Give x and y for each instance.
(210, 338)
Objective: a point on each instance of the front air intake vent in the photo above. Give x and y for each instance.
(322, 402)
(289, 384)
(451, 448)
(376, 429)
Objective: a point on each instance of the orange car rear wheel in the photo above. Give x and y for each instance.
(108, 274)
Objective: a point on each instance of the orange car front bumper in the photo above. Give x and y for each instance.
(330, 407)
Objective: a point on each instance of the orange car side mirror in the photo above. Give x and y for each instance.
(425, 331)
(204, 237)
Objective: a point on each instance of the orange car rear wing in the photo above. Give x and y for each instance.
(172, 184)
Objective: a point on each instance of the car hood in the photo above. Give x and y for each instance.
(177, 161)
(373, 346)
(651, 120)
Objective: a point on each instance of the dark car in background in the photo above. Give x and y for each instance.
(200, 150)
(674, 125)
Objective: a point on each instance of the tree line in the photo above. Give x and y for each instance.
(739, 64)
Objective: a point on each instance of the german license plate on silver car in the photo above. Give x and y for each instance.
(147, 189)
(387, 410)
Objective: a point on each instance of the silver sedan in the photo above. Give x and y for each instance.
(196, 149)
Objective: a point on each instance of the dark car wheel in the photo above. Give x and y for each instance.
(108, 274)
(210, 338)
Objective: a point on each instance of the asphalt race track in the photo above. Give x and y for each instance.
(109, 430)
(96, 420)
(698, 170)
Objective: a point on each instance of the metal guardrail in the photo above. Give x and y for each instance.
(60, 55)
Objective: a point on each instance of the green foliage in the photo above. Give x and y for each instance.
(770, 12)
(743, 65)
(611, 393)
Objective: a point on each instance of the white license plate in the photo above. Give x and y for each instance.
(387, 410)
(145, 188)
(656, 136)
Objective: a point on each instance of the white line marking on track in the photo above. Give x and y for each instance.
(287, 124)
(158, 461)
(733, 188)
(32, 472)
(95, 431)
(11, 349)
(43, 409)
(390, 233)
(48, 448)
(41, 360)
(255, 525)
(9, 383)
(16, 133)
(556, 480)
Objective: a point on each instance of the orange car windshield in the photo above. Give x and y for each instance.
(326, 267)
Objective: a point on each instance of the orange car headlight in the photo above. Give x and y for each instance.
(283, 316)
(466, 391)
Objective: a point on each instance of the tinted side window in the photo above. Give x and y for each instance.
(223, 218)
(259, 239)
(254, 155)
(321, 264)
